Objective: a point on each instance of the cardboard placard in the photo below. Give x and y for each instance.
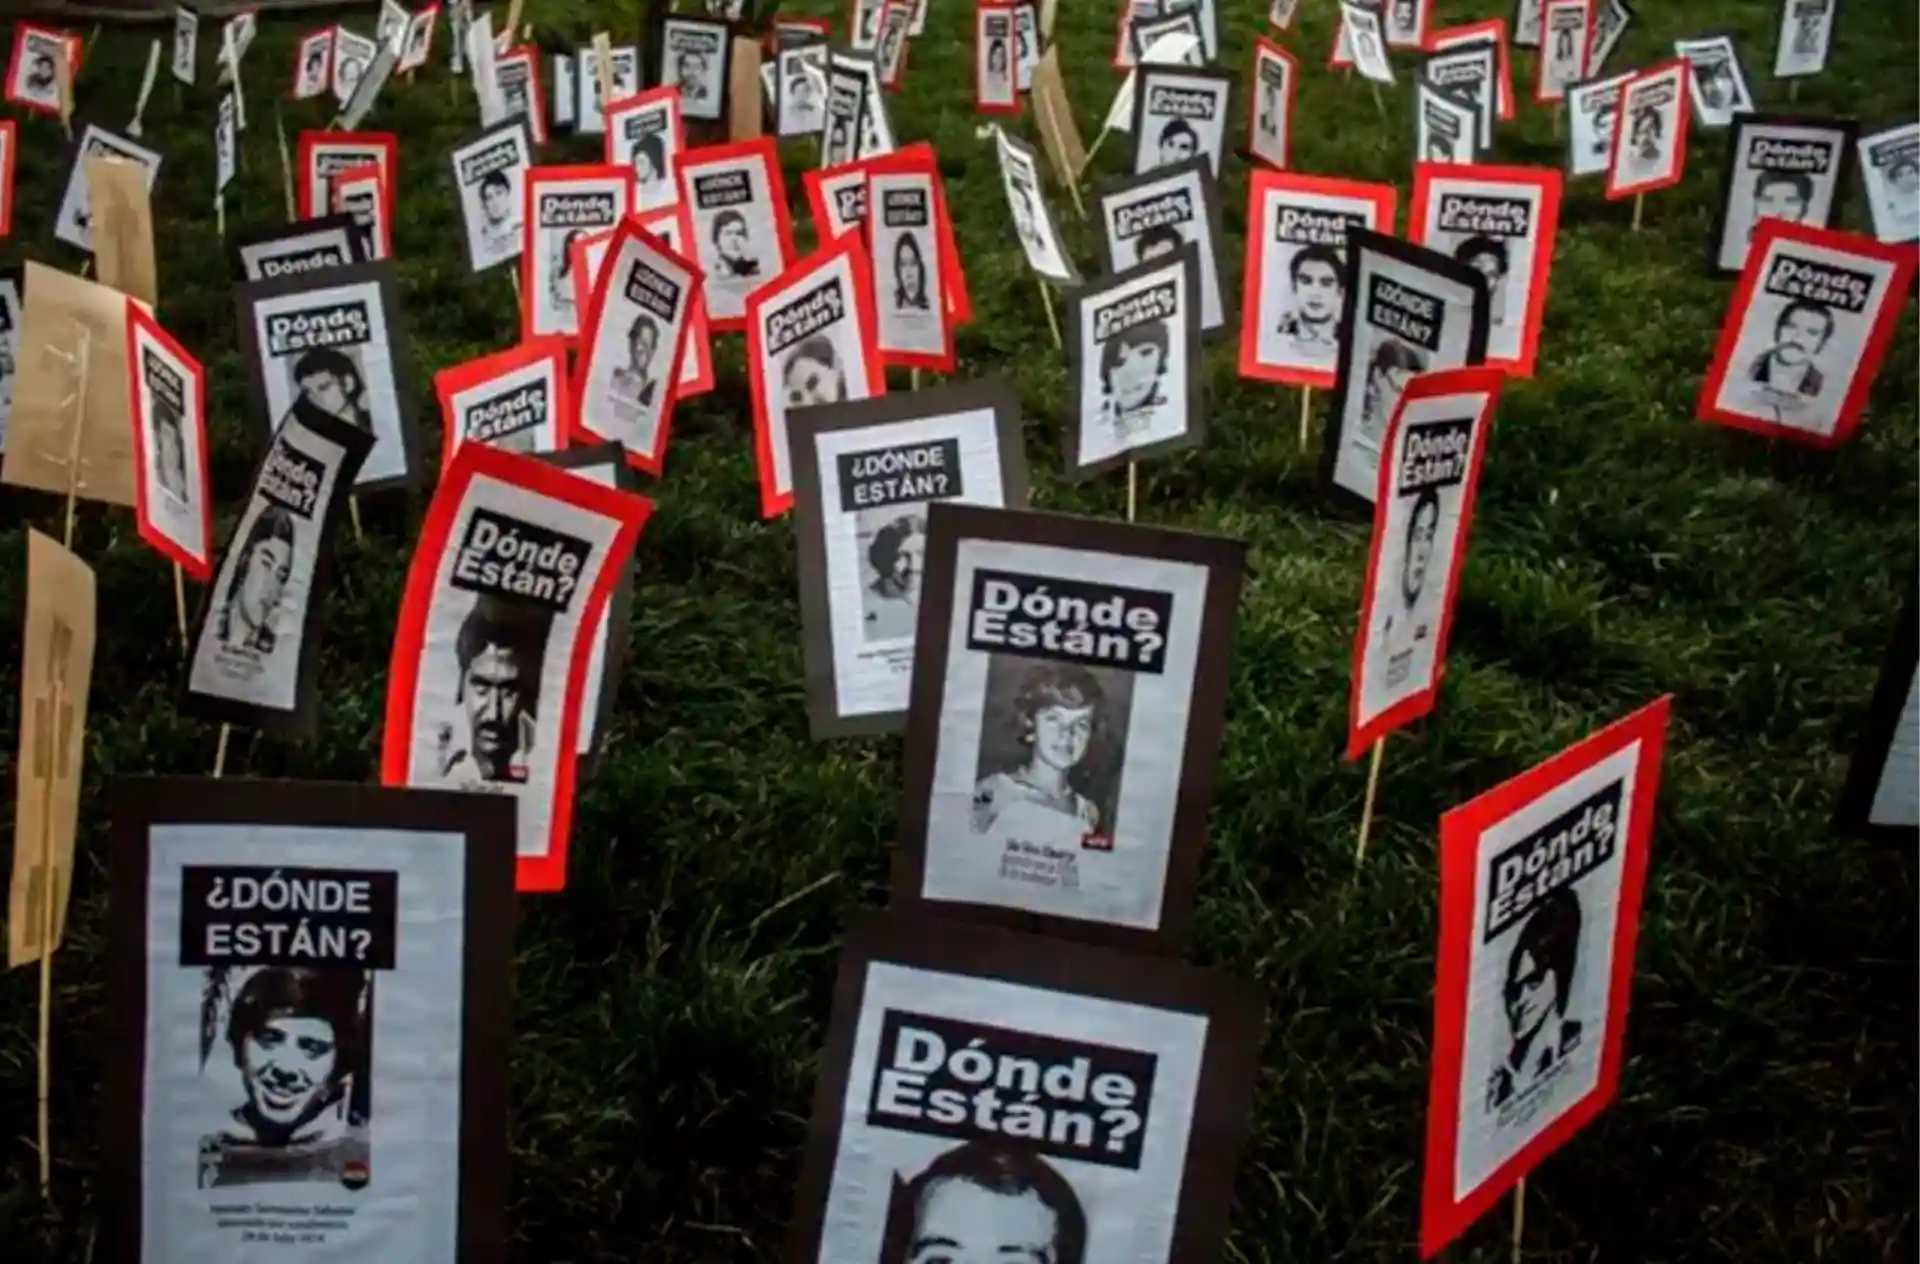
(563, 204)
(70, 430)
(1053, 111)
(122, 229)
(734, 205)
(1134, 336)
(746, 108)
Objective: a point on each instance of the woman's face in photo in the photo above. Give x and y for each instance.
(1061, 735)
(327, 392)
(1136, 375)
(288, 1063)
(268, 568)
(1529, 996)
(1413, 573)
(912, 276)
(810, 382)
(643, 167)
(906, 562)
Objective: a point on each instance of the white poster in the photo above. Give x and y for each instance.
(1151, 216)
(1366, 42)
(1591, 109)
(1719, 85)
(801, 76)
(300, 247)
(1781, 170)
(645, 132)
(313, 64)
(1890, 165)
(1650, 152)
(565, 209)
(1503, 229)
(1270, 139)
(1137, 361)
(226, 141)
(694, 57)
(302, 1069)
(1563, 54)
(1301, 257)
(169, 407)
(352, 56)
(910, 289)
(1179, 113)
(1468, 72)
(518, 410)
(1806, 34)
(491, 171)
(737, 235)
(1033, 220)
(1611, 18)
(186, 43)
(627, 390)
(1446, 128)
(34, 72)
(624, 62)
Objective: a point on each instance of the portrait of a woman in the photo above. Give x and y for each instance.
(1059, 712)
(909, 275)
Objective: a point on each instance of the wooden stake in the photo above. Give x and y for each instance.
(1378, 104)
(220, 751)
(914, 378)
(47, 894)
(220, 215)
(1306, 414)
(1366, 808)
(1558, 107)
(1097, 142)
(1519, 1216)
(286, 163)
(353, 512)
(180, 605)
(1639, 199)
(1133, 488)
(1793, 89)
(1053, 322)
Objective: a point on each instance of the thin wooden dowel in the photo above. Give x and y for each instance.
(1133, 489)
(220, 751)
(180, 604)
(1053, 322)
(1639, 200)
(1366, 807)
(353, 512)
(1519, 1216)
(44, 1111)
(1378, 105)
(1306, 414)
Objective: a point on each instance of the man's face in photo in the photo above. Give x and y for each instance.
(960, 1222)
(809, 382)
(287, 1065)
(1136, 375)
(169, 455)
(640, 349)
(492, 688)
(1905, 178)
(1413, 568)
(1176, 145)
(732, 240)
(328, 391)
(1317, 292)
(268, 568)
(692, 73)
(496, 201)
(40, 73)
(1778, 199)
(1802, 336)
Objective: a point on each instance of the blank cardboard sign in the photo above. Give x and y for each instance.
(71, 430)
(122, 227)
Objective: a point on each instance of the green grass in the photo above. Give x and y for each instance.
(673, 1000)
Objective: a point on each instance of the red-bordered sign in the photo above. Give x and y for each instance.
(1494, 29)
(907, 172)
(368, 182)
(173, 493)
(9, 152)
(614, 401)
(655, 185)
(316, 79)
(1527, 969)
(725, 287)
(24, 86)
(836, 198)
(536, 93)
(415, 51)
(547, 293)
(846, 367)
(696, 360)
(318, 156)
(993, 28)
(1550, 78)
(1473, 213)
(479, 395)
(1805, 335)
(1270, 139)
(1279, 341)
(1422, 515)
(1649, 132)
(475, 647)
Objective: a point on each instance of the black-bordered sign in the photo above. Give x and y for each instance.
(257, 649)
(1717, 83)
(863, 475)
(296, 249)
(490, 171)
(1881, 797)
(1890, 168)
(1062, 729)
(308, 988)
(696, 55)
(1779, 166)
(1150, 216)
(1180, 112)
(332, 342)
(1131, 1090)
(1137, 388)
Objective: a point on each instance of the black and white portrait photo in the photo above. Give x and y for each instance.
(1591, 110)
(1179, 113)
(645, 132)
(1806, 33)
(516, 400)
(695, 55)
(864, 474)
(890, 43)
(307, 1030)
(73, 223)
(1405, 23)
(1785, 167)
(170, 441)
(1805, 332)
(33, 74)
(255, 652)
(907, 1165)
(1366, 41)
(800, 76)
(361, 193)
(736, 211)
(1136, 353)
(1611, 18)
(1446, 127)
(1033, 221)
(186, 43)
(623, 64)
(313, 64)
(627, 369)
(1718, 85)
(567, 203)
(1297, 270)
(1650, 134)
(1270, 138)
(516, 78)
(811, 341)
(1465, 72)
(1890, 168)
(850, 97)
(1408, 310)
(1151, 216)
(1063, 715)
(1500, 221)
(330, 342)
(391, 26)
(864, 29)
(490, 171)
(905, 237)
(1563, 48)
(996, 88)
(283, 250)
(352, 57)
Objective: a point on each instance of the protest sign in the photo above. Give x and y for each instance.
(319, 156)
(800, 76)
(1406, 22)
(353, 56)
(847, 105)
(696, 361)
(1407, 310)
(1147, 216)
(186, 44)
(1458, 79)
(70, 432)
(863, 28)
(633, 342)
(837, 197)
(516, 75)
(623, 66)
(391, 26)
(1062, 729)
(120, 228)
(518, 400)
(361, 192)
(864, 474)
(1270, 103)
(1026, 40)
(1806, 332)
(256, 654)
(309, 988)
(173, 496)
(516, 561)
(1718, 85)
(1806, 37)
(73, 219)
(1137, 389)
(373, 81)
(332, 342)
(734, 207)
(1033, 220)
(996, 88)
(811, 340)
(1780, 166)
(1093, 1103)
(1562, 61)
(1591, 110)
(490, 172)
(645, 132)
(1502, 222)
(1650, 132)
(1361, 35)
(890, 42)
(417, 45)
(1881, 797)
(1890, 167)
(313, 64)
(1296, 271)
(695, 56)
(41, 69)
(1611, 18)
(1422, 515)
(1529, 19)
(1446, 127)
(912, 259)
(1179, 113)
(562, 205)
(1491, 33)
(282, 250)
(1540, 885)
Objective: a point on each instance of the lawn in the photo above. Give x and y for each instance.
(672, 1001)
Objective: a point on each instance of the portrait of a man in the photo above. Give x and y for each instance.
(634, 384)
(985, 1202)
(1058, 715)
(1406, 625)
(1313, 321)
(894, 557)
(1538, 987)
(690, 74)
(1647, 135)
(169, 449)
(1714, 80)
(1133, 367)
(326, 379)
(1160, 240)
(499, 216)
(259, 582)
(731, 240)
(1177, 142)
(1786, 372)
(996, 59)
(41, 75)
(498, 654)
(298, 1039)
(1489, 257)
(1786, 195)
(812, 374)
(1392, 365)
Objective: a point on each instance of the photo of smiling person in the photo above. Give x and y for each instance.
(1052, 792)
(499, 653)
(248, 615)
(297, 1039)
(894, 553)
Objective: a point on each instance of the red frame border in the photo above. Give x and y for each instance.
(639, 101)
(583, 281)
(1677, 67)
(1441, 1218)
(138, 322)
(540, 176)
(981, 9)
(9, 160)
(1550, 184)
(773, 502)
(699, 336)
(76, 54)
(1423, 23)
(1540, 61)
(766, 149)
(1266, 48)
(433, 30)
(308, 142)
(1475, 380)
(1873, 352)
(383, 198)
(536, 872)
(1466, 33)
(300, 56)
(628, 229)
(918, 160)
(814, 181)
(468, 374)
(1261, 182)
(536, 89)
